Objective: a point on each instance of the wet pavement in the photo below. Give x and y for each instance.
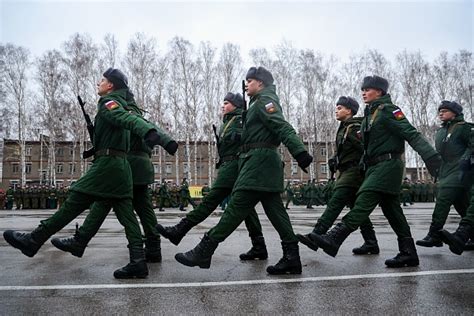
(56, 283)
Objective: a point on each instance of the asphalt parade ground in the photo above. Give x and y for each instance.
(57, 283)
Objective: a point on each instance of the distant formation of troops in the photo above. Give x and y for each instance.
(368, 166)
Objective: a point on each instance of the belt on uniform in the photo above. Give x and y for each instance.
(347, 165)
(110, 152)
(384, 157)
(139, 153)
(228, 158)
(246, 147)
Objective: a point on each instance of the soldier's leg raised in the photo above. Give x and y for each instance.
(30, 243)
(137, 267)
(208, 205)
(259, 249)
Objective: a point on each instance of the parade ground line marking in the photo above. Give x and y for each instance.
(227, 283)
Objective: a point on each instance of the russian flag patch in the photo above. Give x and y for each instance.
(270, 108)
(398, 114)
(110, 105)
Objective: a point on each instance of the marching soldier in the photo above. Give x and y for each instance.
(139, 158)
(346, 160)
(185, 196)
(384, 132)
(406, 192)
(452, 141)
(289, 194)
(164, 195)
(109, 179)
(260, 176)
(9, 198)
(17, 196)
(228, 143)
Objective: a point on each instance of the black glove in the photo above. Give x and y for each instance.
(171, 147)
(152, 138)
(433, 164)
(304, 160)
(88, 153)
(332, 163)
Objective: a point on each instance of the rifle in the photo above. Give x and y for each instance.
(243, 95)
(90, 129)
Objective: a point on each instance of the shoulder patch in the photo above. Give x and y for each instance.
(110, 105)
(270, 108)
(398, 114)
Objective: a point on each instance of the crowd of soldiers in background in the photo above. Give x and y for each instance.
(172, 195)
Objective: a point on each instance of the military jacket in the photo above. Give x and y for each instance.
(349, 151)
(384, 130)
(111, 176)
(139, 155)
(260, 168)
(452, 142)
(230, 135)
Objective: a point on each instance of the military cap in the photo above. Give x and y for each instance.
(450, 105)
(349, 103)
(375, 82)
(261, 74)
(234, 98)
(117, 77)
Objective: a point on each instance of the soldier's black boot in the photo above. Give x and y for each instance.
(308, 239)
(370, 246)
(258, 250)
(457, 241)
(177, 232)
(201, 255)
(407, 257)
(469, 245)
(136, 269)
(28, 243)
(76, 244)
(333, 239)
(290, 262)
(433, 238)
(153, 248)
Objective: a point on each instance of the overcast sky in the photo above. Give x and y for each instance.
(329, 26)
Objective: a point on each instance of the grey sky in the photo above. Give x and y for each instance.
(331, 27)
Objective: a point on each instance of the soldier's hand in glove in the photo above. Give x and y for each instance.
(304, 160)
(332, 165)
(152, 138)
(171, 147)
(465, 167)
(88, 153)
(433, 164)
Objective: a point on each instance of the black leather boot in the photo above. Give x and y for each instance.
(201, 255)
(407, 257)
(177, 232)
(258, 250)
(333, 239)
(433, 238)
(28, 243)
(370, 246)
(136, 269)
(308, 239)
(153, 248)
(290, 262)
(457, 241)
(76, 244)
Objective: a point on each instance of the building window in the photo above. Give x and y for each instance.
(169, 168)
(71, 150)
(324, 168)
(72, 168)
(294, 167)
(155, 151)
(15, 168)
(59, 168)
(156, 168)
(323, 151)
(60, 151)
(28, 150)
(28, 168)
(185, 167)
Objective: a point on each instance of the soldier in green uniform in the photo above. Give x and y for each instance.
(228, 143)
(416, 190)
(260, 176)
(424, 192)
(384, 131)
(430, 193)
(205, 190)
(109, 179)
(26, 198)
(17, 194)
(52, 198)
(3, 198)
(35, 195)
(289, 194)
(406, 192)
(185, 196)
(346, 160)
(139, 158)
(462, 238)
(43, 196)
(164, 195)
(9, 198)
(452, 142)
(308, 194)
(61, 194)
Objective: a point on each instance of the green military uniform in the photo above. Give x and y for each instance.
(164, 196)
(139, 158)
(205, 190)
(53, 198)
(61, 194)
(289, 194)
(43, 197)
(35, 196)
(17, 196)
(185, 196)
(308, 193)
(9, 199)
(406, 193)
(27, 198)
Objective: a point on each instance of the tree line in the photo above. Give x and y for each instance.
(181, 85)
